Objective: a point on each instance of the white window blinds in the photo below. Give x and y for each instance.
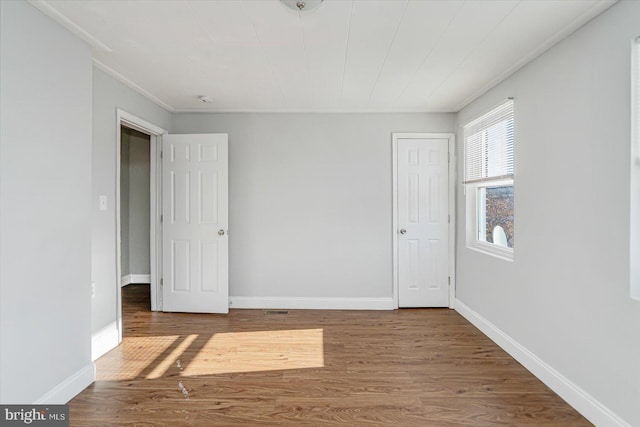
(488, 145)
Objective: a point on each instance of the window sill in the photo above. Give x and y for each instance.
(492, 250)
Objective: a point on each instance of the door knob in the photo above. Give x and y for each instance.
(403, 231)
(220, 232)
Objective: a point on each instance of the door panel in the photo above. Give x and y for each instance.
(423, 222)
(195, 206)
(180, 279)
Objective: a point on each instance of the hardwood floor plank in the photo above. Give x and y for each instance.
(403, 368)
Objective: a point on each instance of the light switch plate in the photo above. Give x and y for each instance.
(103, 203)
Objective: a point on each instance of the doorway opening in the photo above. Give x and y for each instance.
(135, 169)
(137, 136)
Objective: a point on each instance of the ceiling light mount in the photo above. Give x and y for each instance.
(205, 99)
(302, 5)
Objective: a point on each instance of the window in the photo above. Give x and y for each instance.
(488, 180)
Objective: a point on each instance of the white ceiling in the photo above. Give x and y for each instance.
(346, 55)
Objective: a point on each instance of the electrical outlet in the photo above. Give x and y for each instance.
(103, 203)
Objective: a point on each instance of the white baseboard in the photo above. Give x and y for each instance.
(582, 401)
(135, 278)
(70, 387)
(104, 340)
(312, 303)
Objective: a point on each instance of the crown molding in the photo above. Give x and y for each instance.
(122, 79)
(313, 111)
(53, 13)
(565, 32)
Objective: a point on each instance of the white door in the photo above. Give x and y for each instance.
(195, 245)
(423, 222)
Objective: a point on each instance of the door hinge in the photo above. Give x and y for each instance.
(449, 219)
(160, 217)
(448, 157)
(161, 154)
(449, 280)
(161, 282)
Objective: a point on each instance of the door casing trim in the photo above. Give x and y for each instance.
(124, 118)
(452, 208)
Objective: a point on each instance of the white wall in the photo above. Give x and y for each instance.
(45, 189)
(134, 203)
(138, 204)
(125, 152)
(565, 297)
(108, 95)
(310, 200)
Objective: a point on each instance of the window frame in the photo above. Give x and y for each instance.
(471, 190)
(474, 215)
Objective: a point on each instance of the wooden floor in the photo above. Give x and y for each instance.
(401, 368)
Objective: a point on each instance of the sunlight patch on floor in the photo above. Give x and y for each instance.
(258, 351)
(222, 353)
(133, 358)
(164, 365)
